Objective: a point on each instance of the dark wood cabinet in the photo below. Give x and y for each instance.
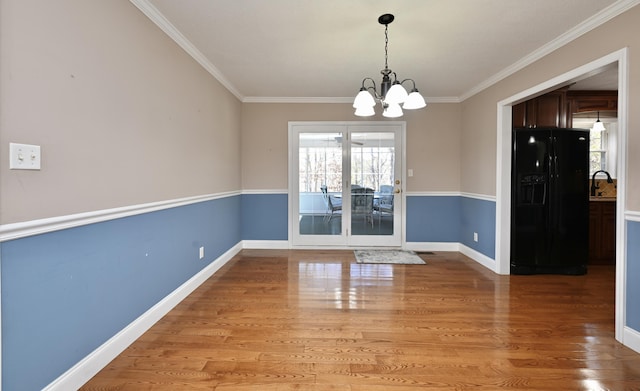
(602, 232)
(548, 110)
(592, 101)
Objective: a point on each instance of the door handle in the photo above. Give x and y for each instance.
(397, 191)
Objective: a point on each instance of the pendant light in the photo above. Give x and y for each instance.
(598, 126)
(392, 95)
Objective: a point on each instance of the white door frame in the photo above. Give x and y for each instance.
(399, 213)
(503, 170)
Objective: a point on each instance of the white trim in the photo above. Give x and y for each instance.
(479, 196)
(503, 189)
(165, 25)
(89, 366)
(631, 338)
(266, 191)
(36, 227)
(432, 194)
(266, 244)
(476, 196)
(621, 204)
(432, 246)
(339, 99)
(596, 20)
(503, 170)
(484, 197)
(297, 99)
(478, 257)
(632, 216)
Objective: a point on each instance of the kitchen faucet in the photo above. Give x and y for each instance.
(593, 182)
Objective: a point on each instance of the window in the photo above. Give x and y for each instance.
(597, 151)
(602, 145)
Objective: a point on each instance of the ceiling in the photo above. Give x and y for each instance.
(306, 50)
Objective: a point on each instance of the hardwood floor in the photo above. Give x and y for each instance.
(314, 320)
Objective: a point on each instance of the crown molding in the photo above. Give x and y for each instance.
(296, 99)
(159, 19)
(348, 99)
(596, 20)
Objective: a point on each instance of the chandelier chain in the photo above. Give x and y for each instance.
(386, 44)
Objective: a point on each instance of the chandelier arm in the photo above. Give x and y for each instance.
(411, 80)
(373, 89)
(370, 79)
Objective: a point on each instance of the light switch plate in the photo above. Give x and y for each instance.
(24, 157)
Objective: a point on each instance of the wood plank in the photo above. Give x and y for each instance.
(282, 320)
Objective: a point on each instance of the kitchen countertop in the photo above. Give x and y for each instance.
(602, 199)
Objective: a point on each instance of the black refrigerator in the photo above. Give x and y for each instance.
(550, 201)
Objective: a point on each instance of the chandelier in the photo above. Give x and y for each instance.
(392, 95)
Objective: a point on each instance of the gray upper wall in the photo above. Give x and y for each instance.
(479, 113)
(124, 116)
(433, 142)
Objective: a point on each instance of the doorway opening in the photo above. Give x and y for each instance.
(503, 170)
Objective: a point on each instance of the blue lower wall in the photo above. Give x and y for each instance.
(444, 219)
(433, 219)
(633, 275)
(452, 219)
(265, 216)
(478, 216)
(65, 293)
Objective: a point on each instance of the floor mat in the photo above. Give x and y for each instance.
(388, 256)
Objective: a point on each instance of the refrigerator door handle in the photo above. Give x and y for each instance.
(554, 169)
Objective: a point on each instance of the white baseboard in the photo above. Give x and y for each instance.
(266, 244)
(88, 367)
(432, 246)
(631, 339)
(447, 246)
(479, 257)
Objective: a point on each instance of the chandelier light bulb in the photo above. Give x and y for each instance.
(366, 111)
(364, 99)
(414, 101)
(393, 110)
(396, 94)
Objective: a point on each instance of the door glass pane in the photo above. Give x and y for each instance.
(320, 178)
(372, 183)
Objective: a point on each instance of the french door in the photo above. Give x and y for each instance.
(345, 183)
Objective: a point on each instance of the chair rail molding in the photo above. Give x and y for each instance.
(35, 227)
